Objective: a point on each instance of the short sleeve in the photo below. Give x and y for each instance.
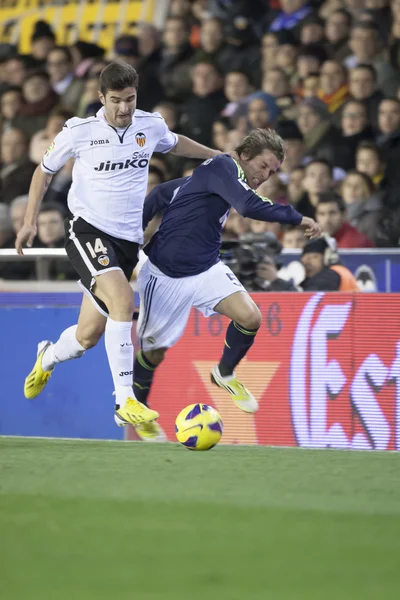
(59, 152)
(167, 139)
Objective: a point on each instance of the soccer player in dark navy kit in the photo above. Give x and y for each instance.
(184, 268)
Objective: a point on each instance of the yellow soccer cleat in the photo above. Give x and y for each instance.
(37, 378)
(134, 413)
(151, 432)
(239, 393)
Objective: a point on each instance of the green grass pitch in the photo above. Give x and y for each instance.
(83, 520)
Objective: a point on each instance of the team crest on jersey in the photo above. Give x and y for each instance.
(140, 139)
(50, 148)
(104, 260)
(151, 340)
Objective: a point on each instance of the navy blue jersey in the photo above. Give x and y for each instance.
(194, 211)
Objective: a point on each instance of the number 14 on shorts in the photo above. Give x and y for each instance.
(99, 248)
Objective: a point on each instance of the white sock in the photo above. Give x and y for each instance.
(119, 347)
(66, 348)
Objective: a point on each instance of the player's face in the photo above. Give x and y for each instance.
(260, 168)
(120, 106)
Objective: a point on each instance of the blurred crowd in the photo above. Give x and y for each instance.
(325, 75)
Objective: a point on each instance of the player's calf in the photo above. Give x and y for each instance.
(144, 369)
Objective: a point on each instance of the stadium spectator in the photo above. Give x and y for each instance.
(258, 114)
(51, 234)
(10, 104)
(84, 55)
(355, 129)
(39, 100)
(309, 60)
(267, 278)
(61, 70)
(177, 59)
(212, 43)
(363, 204)
(295, 185)
(151, 91)
(20, 270)
(292, 16)
(220, 134)
(50, 225)
(294, 148)
(323, 273)
(369, 161)
(330, 213)
(236, 88)
(43, 138)
(366, 46)
(318, 179)
(89, 102)
(17, 212)
(334, 89)
(362, 87)
(312, 31)
(205, 103)
(269, 51)
(156, 176)
(16, 169)
(310, 86)
(170, 113)
(337, 31)
(15, 70)
(321, 138)
(43, 41)
(6, 230)
(293, 237)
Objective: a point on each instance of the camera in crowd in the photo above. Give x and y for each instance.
(255, 259)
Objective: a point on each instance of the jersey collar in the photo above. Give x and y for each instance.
(101, 115)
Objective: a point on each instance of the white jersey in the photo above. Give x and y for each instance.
(109, 177)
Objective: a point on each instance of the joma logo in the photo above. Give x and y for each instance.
(98, 142)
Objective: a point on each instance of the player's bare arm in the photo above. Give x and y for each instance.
(191, 149)
(39, 185)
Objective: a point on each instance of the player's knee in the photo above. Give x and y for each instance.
(251, 318)
(156, 356)
(88, 338)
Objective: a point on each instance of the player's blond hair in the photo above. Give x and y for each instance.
(259, 140)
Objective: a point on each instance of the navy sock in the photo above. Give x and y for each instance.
(143, 374)
(238, 342)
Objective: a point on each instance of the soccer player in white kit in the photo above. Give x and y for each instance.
(112, 151)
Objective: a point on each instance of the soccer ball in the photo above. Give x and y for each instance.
(198, 427)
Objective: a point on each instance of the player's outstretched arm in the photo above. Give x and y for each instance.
(191, 149)
(311, 228)
(39, 184)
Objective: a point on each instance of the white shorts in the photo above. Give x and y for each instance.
(166, 302)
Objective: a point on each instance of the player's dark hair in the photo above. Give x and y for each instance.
(259, 140)
(118, 76)
(326, 197)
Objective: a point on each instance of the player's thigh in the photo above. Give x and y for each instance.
(165, 305)
(91, 324)
(241, 308)
(222, 292)
(104, 263)
(114, 290)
